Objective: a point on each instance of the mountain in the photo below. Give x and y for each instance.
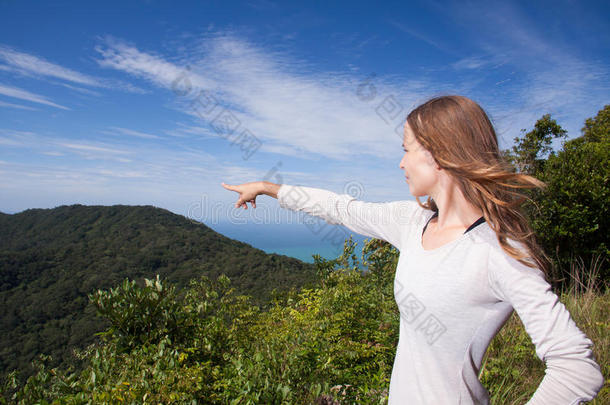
(50, 259)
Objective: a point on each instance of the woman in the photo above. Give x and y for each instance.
(468, 258)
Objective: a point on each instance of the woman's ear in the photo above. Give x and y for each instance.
(432, 161)
(429, 159)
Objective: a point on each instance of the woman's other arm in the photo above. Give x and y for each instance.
(572, 375)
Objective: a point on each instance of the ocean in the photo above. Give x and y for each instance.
(294, 240)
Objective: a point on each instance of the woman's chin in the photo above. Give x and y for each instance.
(416, 193)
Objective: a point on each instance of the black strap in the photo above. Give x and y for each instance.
(434, 215)
(477, 222)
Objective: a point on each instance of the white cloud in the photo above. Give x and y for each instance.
(52, 146)
(157, 161)
(94, 148)
(120, 56)
(80, 89)
(191, 131)
(26, 95)
(289, 108)
(131, 132)
(11, 137)
(124, 86)
(17, 106)
(33, 64)
(120, 174)
(472, 62)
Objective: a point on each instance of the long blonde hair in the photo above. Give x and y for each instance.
(462, 140)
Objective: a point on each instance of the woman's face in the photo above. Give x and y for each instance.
(420, 169)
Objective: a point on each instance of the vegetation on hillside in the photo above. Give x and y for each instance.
(331, 344)
(50, 259)
(571, 217)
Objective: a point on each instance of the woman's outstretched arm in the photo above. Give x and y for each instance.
(387, 221)
(271, 189)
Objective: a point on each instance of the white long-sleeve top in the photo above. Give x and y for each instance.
(452, 302)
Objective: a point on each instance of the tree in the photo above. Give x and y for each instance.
(527, 153)
(570, 217)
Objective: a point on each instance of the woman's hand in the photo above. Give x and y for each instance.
(247, 192)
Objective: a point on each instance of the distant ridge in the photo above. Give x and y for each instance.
(50, 259)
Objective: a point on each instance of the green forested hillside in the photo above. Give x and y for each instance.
(330, 344)
(50, 259)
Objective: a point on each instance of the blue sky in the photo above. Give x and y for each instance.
(157, 103)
